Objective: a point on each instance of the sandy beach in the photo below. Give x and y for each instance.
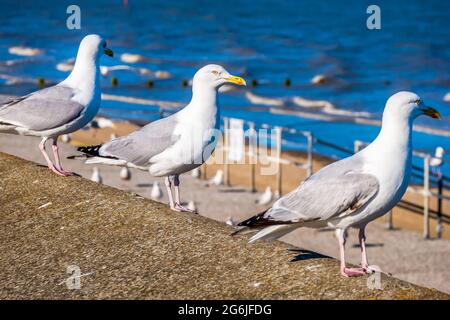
(401, 251)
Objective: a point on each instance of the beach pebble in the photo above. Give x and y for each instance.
(25, 51)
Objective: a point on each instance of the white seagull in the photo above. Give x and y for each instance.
(353, 191)
(96, 177)
(217, 180)
(176, 144)
(63, 108)
(156, 192)
(266, 197)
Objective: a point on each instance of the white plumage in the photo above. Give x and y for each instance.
(217, 180)
(125, 173)
(266, 197)
(96, 177)
(353, 191)
(156, 192)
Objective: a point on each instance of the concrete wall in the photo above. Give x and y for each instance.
(129, 247)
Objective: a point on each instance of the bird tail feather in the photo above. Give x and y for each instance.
(273, 232)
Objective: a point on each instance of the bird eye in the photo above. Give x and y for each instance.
(215, 72)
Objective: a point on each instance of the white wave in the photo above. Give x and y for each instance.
(141, 101)
(327, 107)
(256, 99)
(132, 58)
(25, 51)
(66, 65)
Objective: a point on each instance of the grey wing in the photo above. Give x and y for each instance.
(324, 197)
(140, 146)
(42, 110)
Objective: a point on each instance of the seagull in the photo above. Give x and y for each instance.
(266, 197)
(60, 109)
(176, 144)
(196, 173)
(217, 180)
(156, 191)
(353, 191)
(191, 205)
(96, 177)
(125, 173)
(436, 161)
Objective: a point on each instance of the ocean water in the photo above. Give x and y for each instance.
(268, 41)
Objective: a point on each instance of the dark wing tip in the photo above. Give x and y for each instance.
(92, 151)
(255, 221)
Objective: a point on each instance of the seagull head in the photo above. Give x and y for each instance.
(408, 106)
(214, 76)
(93, 47)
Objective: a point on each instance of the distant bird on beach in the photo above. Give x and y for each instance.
(156, 192)
(437, 160)
(125, 173)
(196, 173)
(217, 180)
(191, 206)
(176, 144)
(96, 177)
(266, 197)
(63, 108)
(353, 191)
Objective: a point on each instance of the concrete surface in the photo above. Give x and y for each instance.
(126, 246)
(402, 253)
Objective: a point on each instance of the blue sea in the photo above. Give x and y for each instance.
(266, 41)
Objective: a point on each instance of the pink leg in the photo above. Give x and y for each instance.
(50, 164)
(364, 262)
(346, 272)
(178, 206)
(169, 193)
(58, 165)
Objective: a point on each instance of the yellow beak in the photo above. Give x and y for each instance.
(109, 52)
(236, 80)
(431, 112)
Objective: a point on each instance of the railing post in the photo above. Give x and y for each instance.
(426, 197)
(253, 148)
(389, 221)
(439, 226)
(309, 169)
(226, 146)
(278, 139)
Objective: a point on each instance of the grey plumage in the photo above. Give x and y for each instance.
(41, 110)
(140, 146)
(335, 191)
